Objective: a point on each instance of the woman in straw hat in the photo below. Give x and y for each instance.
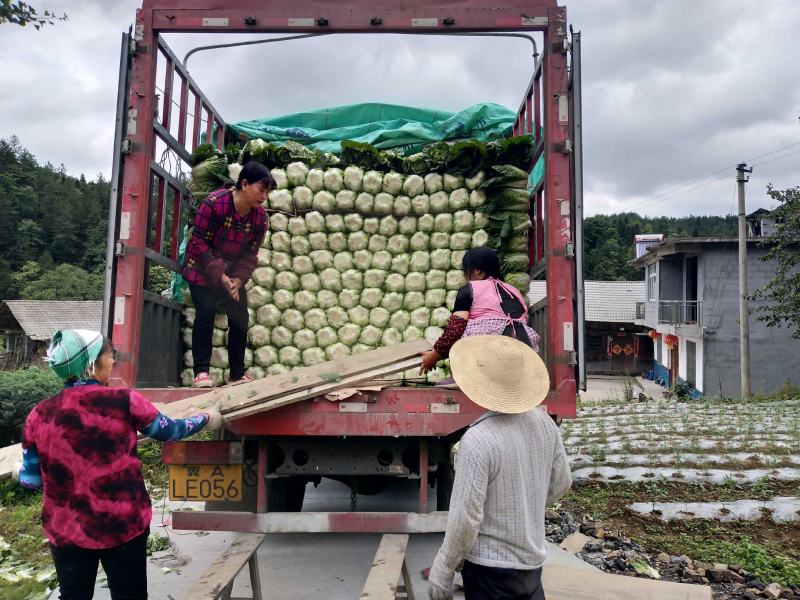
(510, 466)
(79, 448)
(486, 305)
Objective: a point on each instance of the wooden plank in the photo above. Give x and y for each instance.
(565, 583)
(310, 522)
(386, 568)
(9, 456)
(322, 389)
(273, 392)
(239, 397)
(225, 568)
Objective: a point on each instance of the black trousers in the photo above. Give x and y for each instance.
(205, 302)
(491, 583)
(125, 566)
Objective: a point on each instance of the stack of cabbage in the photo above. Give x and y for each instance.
(357, 258)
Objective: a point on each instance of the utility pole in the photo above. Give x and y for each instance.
(744, 309)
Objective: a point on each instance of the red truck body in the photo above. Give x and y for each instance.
(161, 112)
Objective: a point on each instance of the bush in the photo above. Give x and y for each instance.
(19, 392)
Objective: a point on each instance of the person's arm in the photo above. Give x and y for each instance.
(203, 231)
(150, 422)
(560, 474)
(29, 474)
(465, 515)
(244, 266)
(453, 330)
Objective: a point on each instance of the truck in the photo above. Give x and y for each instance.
(375, 436)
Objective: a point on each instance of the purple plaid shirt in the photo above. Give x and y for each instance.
(223, 241)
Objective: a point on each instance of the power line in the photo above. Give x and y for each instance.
(671, 193)
(766, 162)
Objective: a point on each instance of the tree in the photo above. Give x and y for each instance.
(779, 300)
(30, 272)
(22, 13)
(65, 282)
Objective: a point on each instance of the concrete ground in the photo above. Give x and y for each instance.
(612, 387)
(323, 566)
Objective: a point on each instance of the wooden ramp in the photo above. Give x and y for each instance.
(565, 583)
(243, 400)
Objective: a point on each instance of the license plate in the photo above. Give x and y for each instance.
(207, 483)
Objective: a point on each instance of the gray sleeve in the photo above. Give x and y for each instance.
(466, 503)
(560, 475)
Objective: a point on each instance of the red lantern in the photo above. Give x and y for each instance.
(670, 340)
(653, 334)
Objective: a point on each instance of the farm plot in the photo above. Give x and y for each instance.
(717, 482)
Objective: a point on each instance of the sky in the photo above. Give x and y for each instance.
(675, 92)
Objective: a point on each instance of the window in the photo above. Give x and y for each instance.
(691, 363)
(652, 282)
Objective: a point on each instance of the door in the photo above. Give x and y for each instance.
(674, 362)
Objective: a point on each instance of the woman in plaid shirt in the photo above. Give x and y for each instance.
(486, 305)
(223, 252)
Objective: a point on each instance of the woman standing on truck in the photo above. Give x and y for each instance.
(79, 448)
(223, 252)
(486, 305)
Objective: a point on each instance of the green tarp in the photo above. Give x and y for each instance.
(383, 125)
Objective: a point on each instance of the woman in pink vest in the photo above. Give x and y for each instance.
(485, 306)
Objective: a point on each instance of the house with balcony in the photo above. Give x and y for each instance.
(691, 309)
(615, 343)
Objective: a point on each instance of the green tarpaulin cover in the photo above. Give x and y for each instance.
(383, 125)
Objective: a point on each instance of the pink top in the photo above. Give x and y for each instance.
(486, 300)
(94, 493)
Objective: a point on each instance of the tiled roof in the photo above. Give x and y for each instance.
(40, 319)
(606, 301)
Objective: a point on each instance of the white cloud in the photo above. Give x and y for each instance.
(673, 90)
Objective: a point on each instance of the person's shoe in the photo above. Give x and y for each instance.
(202, 380)
(243, 379)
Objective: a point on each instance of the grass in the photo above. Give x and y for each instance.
(21, 526)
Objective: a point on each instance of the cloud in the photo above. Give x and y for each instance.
(673, 90)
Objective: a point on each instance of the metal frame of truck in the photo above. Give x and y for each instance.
(162, 115)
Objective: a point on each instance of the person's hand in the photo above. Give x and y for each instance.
(215, 418)
(229, 285)
(440, 584)
(429, 360)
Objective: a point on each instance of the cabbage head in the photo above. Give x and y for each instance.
(337, 242)
(283, 299)
(281, 337)
(400, 264)
(314, 356)
(440, 202)
(371, 297)
(302, 265)
(265, 356)
(281, 181)
(353, 176)
(296, 173)
(326, 336)
(413, 300)
(334, 223)
(353, 280)
(379, 317)
(346, 200)
(420, 261)
(337, 351)
(331, 279)
(400, 320)
(349, 333)
(365, 203)
(398, 244)
(374, 278)
(322, 259)
(305, 299)
(393, 183)
(318, 240)
(377, 242)
(395, 282)
(315, 222)
(388, 226)
(315, 319)
(407, 226)
(370, 336)
(414, 185)
(303, 198)
(382, 260)
(362, 259)
(327, 298)
(402, 206)
(372, 182)
(292, 319)
(305, 339)
(290, 356)
(383, 204)
(433, 183)
(300, 246)
(259, 335)
(415, 282)
(268, 315)
(359, 315)
(334, 180)
(323, 201)
(357, 241)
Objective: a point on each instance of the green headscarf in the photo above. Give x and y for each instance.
(72, 351)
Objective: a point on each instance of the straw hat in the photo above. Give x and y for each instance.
(499, 373)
